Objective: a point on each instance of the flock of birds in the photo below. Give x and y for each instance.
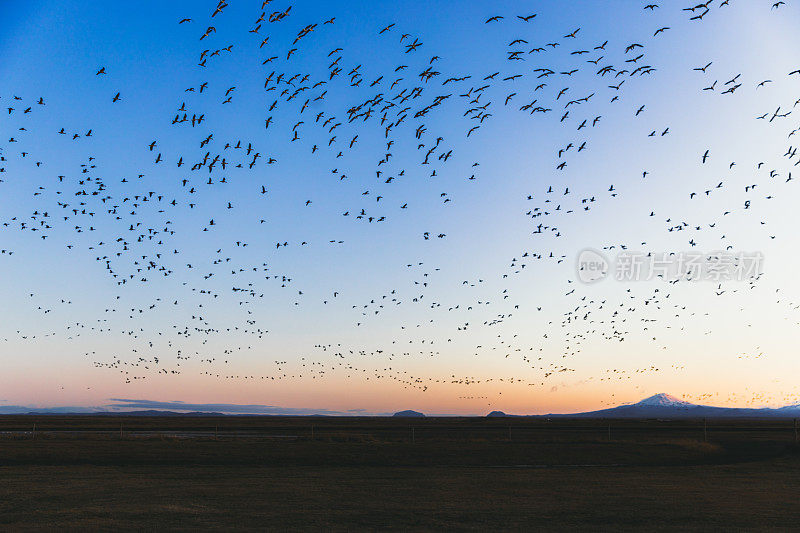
(417, 123)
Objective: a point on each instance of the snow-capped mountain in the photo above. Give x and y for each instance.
(663, 405)
(664, 400)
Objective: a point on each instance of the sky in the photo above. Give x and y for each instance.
(110, 296)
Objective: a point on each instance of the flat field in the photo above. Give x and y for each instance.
(278, 473)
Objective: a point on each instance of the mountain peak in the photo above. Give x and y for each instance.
(663, 400)
(409, 414)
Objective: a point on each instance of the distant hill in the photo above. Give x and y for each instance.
(79, 411)
(155, 412)
(408, 414)
(26, 410)
(665, 406)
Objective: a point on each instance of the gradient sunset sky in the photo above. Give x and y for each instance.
(359, 315)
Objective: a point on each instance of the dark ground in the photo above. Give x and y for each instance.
(457, 473)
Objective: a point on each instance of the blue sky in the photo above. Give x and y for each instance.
(442, 345)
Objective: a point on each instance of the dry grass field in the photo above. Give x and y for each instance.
(465, 474)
